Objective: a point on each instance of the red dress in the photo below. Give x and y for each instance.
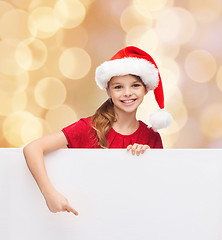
(81, 135)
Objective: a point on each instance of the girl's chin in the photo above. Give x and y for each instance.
(126, 109)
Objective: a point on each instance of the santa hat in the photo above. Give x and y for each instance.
(132, 60)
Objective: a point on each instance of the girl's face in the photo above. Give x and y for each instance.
(127, 92)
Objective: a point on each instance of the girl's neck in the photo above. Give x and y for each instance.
(126, 123)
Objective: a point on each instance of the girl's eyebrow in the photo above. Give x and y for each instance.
(115, 83)
(136, 81)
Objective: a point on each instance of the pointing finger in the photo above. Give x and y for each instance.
(70, 209)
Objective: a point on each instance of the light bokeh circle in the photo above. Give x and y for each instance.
(31, 129)
(134, 35)
(200, 65)
(34, 57)
(169, 140)
(175, 25)
(170, 50)
(43, 23)
(50, 93)
(10, 103)
(176, 107)
(74, 63)
(14, 84)
(23, 56)
(21, 127)
(170, 70)
(5, 7)
(69, 13)
(8, 60)
(60, 117)
(130, 18)
(14, 24)
(146, 6)
(149, 41)
(211, 121)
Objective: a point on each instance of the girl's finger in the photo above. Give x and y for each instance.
(144, 147)
(74, 211)
(134, 147)
(139, 149)
(70, 209)
(129, 147)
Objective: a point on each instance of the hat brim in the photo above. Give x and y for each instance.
(128, 65)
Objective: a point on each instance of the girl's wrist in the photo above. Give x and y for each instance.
(47, 190)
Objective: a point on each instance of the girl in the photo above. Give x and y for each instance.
(127, 77)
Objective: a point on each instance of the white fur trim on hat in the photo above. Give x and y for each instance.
(160, 119)
(127, 65)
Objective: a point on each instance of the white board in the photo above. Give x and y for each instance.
(160, 195)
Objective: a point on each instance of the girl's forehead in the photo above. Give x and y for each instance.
(124, 79)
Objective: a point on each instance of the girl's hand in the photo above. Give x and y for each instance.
(56, 202)
(138, 148)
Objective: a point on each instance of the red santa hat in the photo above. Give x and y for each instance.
(132, 60)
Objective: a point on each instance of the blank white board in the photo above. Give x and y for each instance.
(160, 195)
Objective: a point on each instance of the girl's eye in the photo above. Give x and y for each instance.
(117, 87)
(136, 85)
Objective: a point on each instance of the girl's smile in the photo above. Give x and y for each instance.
(128, 102)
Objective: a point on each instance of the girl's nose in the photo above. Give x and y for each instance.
(127, 92)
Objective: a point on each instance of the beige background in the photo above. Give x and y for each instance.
(49, 51)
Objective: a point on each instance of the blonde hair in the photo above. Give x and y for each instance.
(102, 122)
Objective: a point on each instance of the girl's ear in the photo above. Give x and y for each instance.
(108, 92)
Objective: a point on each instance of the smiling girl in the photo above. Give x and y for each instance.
(127, 77)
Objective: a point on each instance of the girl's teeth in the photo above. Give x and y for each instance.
(128, 101)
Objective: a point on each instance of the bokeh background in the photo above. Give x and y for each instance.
(49, 50)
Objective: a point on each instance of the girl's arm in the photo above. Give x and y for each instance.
(34, 156)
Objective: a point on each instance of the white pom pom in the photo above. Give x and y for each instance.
(160, 119)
